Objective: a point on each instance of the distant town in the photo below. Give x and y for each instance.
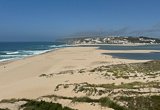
(113, 40)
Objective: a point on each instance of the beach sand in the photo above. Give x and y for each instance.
(21, 78)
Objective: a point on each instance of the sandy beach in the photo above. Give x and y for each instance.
(22, 78)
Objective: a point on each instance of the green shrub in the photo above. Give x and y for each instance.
(42, 105)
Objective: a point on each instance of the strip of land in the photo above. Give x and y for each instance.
(71, 72)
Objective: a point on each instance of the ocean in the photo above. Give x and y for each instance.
(18, 50)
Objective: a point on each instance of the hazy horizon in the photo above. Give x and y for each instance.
(47, 20)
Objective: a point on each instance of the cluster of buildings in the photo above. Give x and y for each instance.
(114, 40)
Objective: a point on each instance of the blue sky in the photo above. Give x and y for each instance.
(38, 20)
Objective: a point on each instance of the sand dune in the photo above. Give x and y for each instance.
(21, 78)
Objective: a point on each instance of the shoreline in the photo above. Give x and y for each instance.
(70, 58)
(39, 75)
(74, 45)
(34, 55)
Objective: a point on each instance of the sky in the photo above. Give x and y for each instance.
(46, 20)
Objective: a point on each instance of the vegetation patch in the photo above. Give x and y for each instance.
(59, 73)
(132, 85)
(142, 102)
(123, 69)
(104, 101)
(4, 109)
(42, 105)
(36, 105)
(8, 101)
(133, 88)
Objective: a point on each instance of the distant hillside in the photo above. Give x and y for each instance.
(112, 40)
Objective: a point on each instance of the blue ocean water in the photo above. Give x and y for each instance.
(17, 50)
